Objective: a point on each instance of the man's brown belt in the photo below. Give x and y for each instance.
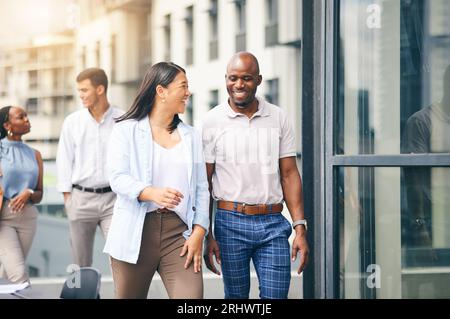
(250, 209)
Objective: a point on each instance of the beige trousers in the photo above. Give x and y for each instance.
(85, 212)
(161, 245)
(16, 236)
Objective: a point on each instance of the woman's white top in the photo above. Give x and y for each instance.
(170, 169)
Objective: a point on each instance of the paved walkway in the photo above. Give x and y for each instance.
(50, 288)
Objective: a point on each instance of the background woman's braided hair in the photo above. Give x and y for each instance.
(4, 117)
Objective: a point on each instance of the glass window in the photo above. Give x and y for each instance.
(189, 113)
(83, 58)
(56, 78)
(113, 58)
(272, 91)
(31, 106)
(271, 22)
(33, 55)
(241, 30)
(393, 97)
(33, 80)
(394, 77)
(189, 35)
(214, 30)
(167, 38)
(98, 57)
(213, 98)
(394, 239)
(8, 74)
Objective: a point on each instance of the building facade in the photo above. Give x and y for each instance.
(202, 35)
(37, 76)
(115, 35)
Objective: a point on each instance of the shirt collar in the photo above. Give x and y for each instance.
(263, 110)
(106, 115)
(7, 142)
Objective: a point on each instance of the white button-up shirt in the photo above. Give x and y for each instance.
(82, 149)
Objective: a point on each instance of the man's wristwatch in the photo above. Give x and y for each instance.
(31, 191)
(300, 222)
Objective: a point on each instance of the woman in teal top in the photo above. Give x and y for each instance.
(21, 179)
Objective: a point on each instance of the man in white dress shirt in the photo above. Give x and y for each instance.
(81, 161)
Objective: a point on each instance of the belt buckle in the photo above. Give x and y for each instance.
(244, 205)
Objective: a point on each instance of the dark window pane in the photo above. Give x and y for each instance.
(189, 35)
(272, 91)
(213, 98)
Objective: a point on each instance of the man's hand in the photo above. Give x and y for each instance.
(212, 248)
(300, 244)
(18, 203)
(66, 196)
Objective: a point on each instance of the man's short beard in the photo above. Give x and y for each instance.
(244, 104)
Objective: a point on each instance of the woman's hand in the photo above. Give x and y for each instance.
(17, 203)
(165, 197)
(194, 247)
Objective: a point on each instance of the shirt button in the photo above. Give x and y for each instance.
(193, 208)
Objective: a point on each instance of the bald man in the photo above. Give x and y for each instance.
(250, 152)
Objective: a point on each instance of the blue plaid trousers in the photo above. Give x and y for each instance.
(260, 238)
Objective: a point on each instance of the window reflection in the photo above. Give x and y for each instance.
(389, 223)
(392, 55)
(427, 131)
(393, 89)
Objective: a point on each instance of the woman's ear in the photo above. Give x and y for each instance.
(161, 92)
(7, 126)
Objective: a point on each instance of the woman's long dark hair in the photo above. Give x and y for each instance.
(4, 117)
(162, 73)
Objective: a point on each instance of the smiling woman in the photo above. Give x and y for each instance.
(156, 167)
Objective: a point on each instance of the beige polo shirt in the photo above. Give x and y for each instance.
(246, 152)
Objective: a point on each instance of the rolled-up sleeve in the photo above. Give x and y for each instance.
(208, 140)
(287, 139)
